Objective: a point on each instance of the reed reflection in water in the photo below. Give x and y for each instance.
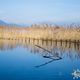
(70, 49)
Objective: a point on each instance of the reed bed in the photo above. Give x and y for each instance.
(45, 32)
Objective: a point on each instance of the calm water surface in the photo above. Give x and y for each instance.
(34, 59)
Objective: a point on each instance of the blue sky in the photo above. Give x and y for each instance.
(34, 11)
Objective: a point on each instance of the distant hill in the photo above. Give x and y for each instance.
(11, 24)
(2, 22)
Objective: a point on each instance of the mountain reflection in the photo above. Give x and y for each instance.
(70, 49)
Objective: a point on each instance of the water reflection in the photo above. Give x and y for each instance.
(70, 49)
(52, 59)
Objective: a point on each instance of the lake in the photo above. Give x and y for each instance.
(38, 59)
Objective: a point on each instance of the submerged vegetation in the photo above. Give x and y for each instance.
(41, 31)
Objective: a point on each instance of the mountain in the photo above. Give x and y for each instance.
(2, 22)
(11, 24)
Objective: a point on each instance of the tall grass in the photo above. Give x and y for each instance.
(47, 32)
